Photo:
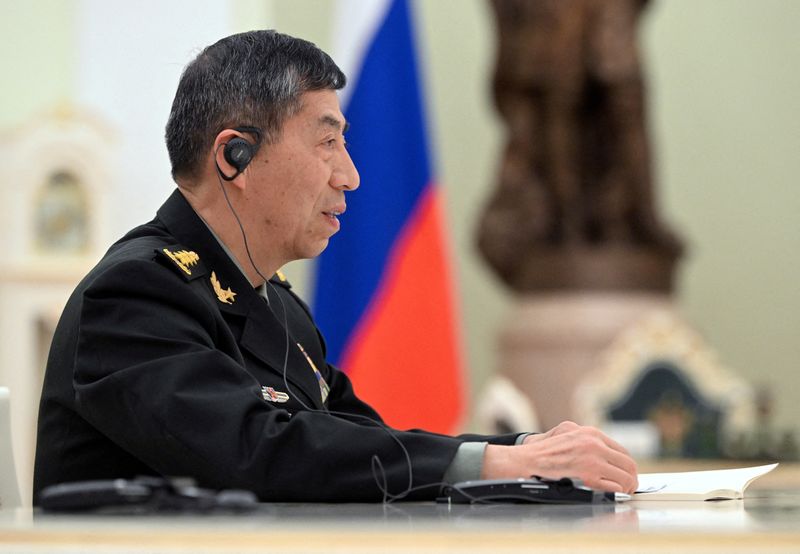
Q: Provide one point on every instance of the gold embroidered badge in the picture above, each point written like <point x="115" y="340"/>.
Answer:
<point x="224" y="295"/>
<point x="281" y="276"/>
<point x="184" y="259"/>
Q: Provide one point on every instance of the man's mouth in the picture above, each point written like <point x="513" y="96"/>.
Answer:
<point x="335" y="212"/>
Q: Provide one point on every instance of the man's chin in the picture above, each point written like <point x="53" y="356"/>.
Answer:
<point x="315" y="250"/>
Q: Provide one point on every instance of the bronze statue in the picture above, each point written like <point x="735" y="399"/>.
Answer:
<point x="574" y="205"/>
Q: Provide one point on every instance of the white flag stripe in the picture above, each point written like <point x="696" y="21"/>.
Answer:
<point x="355" y="23"/>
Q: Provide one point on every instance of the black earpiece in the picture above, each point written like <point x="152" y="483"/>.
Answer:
<point x="239" y="153"/>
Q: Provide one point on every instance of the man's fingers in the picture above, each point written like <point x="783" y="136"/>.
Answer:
<point x="622" y="460"/>
<point x="568" y="450"/>
<point x="587" y="453"/>
<point x="608" y="485"/>
<point x="566" y="427"/>
<point x="626" y="481"/>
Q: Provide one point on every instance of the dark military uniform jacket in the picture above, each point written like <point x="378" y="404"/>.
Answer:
<point x="166" y="361"/>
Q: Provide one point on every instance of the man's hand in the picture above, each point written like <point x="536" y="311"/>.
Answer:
<point x="566" y="450"/>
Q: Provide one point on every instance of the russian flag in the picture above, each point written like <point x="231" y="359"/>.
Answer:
<point x="384" y="292"/>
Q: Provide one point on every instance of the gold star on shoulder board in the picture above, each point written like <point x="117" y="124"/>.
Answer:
<point x="224" y="295"/>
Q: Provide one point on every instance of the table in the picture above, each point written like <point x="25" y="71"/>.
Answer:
<point x="765" y="521"/>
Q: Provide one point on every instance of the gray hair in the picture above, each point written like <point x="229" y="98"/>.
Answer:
<point x="248" y="79"/>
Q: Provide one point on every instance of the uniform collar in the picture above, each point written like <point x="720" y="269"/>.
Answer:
<point x="190" y="231"/>
<point x="183" y="223"/>
<point x="262" y="288"/>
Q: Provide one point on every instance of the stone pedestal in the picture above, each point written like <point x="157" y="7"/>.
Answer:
<point x="553" y="340"/>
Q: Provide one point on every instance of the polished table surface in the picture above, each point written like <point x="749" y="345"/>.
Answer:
<point x="766" y="520"/>
<point x="762" y="522"/>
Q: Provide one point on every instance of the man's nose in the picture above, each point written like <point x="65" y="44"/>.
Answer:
<point x="345" y="176"/>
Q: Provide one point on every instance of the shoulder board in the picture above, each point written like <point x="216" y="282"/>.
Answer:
<point x="184" y="261"/>
<point x="280" y="279"/>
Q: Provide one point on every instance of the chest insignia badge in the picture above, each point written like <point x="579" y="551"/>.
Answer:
<point x="223" y="295"/>
<point x="272" y="395"/>
<point x="184" y="259"/>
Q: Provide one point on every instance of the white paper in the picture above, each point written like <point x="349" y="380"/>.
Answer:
<point x="700" y="483"/>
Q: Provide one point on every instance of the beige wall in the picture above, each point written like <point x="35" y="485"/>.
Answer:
<point x="726" y="127"/>
<point x="37" y="57"/>
<point x="724" y="119"/>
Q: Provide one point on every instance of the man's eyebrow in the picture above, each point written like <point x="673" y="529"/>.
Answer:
<point x="334" y="122"/>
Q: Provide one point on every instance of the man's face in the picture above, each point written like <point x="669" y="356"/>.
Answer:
<point x="295" y="187"/>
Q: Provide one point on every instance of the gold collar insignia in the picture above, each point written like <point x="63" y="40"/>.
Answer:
<point x="184" y="259"/>
<point x="225" y="296"/>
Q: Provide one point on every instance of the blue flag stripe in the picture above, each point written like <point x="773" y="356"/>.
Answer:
<point x="388" y="144"/>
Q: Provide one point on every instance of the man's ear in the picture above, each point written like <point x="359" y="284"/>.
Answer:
<point x="232" y="154"/>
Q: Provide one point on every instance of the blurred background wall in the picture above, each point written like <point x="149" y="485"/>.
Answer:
<point x="724" y="110"/>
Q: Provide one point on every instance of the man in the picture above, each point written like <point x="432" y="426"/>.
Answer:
<point x="177" y="355"/>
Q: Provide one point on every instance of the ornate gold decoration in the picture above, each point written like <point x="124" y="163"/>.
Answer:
<point x="184" y="259"/>
<point x="224" y="295"/>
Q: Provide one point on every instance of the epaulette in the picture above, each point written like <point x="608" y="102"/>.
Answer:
<point x="186" y="262"/>
<point x="280" y="279"/>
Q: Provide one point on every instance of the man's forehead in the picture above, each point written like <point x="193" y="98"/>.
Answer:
<point x="320" y="108"/>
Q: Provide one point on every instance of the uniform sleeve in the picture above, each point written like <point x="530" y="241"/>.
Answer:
<point x="159" y="373"/>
